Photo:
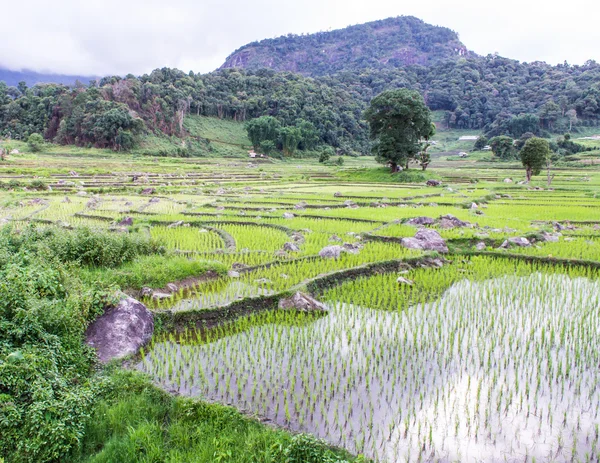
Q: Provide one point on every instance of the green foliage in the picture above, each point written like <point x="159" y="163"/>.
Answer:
<point x="45" y="396"/>
<point x="569" y="147"/>
<point x="84" y="246"/>
<point x="534" y="156"/>
<point x="35" y="142"/>
<point x="136" y="422"/>
<point x="153" y="270"/>
<point x="290" y="138"/>
<point x="502" y="147"/>
<point x="353" y="48"/>
<point x="326" y="154"/>
<point x="481" y="143"/>
<point x="265" y="128"/>
<point x="398" y="121"/>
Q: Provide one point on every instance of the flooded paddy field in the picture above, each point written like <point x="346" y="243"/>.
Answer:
<point x="460" y="322"/>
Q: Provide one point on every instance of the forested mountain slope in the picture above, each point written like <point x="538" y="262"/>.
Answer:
<point x="392" y="42"/>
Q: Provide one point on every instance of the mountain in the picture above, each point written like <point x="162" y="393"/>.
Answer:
<point x="12" y="78"/>
<point x="392" y="42"/>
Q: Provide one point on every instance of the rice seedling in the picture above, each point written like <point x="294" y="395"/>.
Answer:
<point x="499" y="365"/>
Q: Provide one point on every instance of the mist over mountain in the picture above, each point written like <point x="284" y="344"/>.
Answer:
<point x="12" y="78"/>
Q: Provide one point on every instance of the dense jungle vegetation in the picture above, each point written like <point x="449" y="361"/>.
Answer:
<point x="496" y="95"/>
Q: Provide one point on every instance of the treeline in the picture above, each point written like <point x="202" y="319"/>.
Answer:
<point x="486" y="93"/>
<point x="495" y="95"/>
<point x="112" y="112"/>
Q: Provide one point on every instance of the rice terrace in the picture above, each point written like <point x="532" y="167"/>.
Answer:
<point x="366" y="244"/>
<point x="481" y="342"/>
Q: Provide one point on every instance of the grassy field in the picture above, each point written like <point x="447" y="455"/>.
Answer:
<point x="488" y="349"/>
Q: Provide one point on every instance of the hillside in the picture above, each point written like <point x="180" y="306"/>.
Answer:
<point x="12" y="78"/>
<point x="490" y="94"/>
<point x="392" y="42"/>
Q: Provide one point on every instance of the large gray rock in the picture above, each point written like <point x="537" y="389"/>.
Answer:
<point x="433" y="183"/>
<point x="291" y="247"/>
<point x="426" y="239"/>
<point x="549" y="237"/>
<point x="420" y="221"/>
<point x="449" y="221"/>
<point x="302" y="302"/>
<point x="352" y="248"/>
<point x="516" y="241"/>
<point x="411" y="243"/>
<point x="127" y="221"/>
<point x="121" y="330"/>
<point x="331" y="252"/>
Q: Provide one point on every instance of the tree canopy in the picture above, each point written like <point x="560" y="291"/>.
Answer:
<point x="399" y="121"/>
<point x="534" y="155"/>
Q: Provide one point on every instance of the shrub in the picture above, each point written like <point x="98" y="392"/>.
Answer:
<point x="35" y="142"/>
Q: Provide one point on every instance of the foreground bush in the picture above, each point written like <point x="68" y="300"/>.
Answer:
<point x="45" y="392"/>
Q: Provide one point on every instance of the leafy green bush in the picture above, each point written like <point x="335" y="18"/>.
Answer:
<point x="155" y="271"/>
<point x="35" y="142"/>
<point x="83" y="246"/>
<point x="45" y="393"/>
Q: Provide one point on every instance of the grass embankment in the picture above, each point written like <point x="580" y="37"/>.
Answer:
<point x="135" y="422"/>
<point x="383" y="175"/>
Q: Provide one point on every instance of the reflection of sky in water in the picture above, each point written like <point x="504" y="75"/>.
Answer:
<point x="234" y="290"/>
<point x="494" y="371"/>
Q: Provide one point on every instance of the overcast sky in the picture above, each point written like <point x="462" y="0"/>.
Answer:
<point x="135" y="36"/>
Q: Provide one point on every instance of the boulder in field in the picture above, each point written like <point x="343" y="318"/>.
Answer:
<point x="291" y="247"/>
<point x="433" y="183"/>
<point x="288" y="215"/>
<point x="121" y="330"/>
<point x="516" y="241"/>
<point x="146" y="292"/>
<point x="148" y="191"/>
<point x="126" y="222"/>
<point x="172" y="287"/>
<point x="331" y="252"/>
<point x="419" y="221"/>
<point x="549" y="237"/>
<point x="426" y="239"/>
<point x="480" y="246"/>
<point x="449" y="221"/>
<point x="405" y="281"/>
<point x="352" y="248"/>
<point x="302" y="302"/>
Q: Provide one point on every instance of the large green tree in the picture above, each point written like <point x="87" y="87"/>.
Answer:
<point x="503" y="147"/>
<point x="399" y="122"/>
<point x="261" y="129"/>
<point x="534" y="155"/>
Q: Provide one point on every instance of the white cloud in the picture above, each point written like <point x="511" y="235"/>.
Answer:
<point x="136" y="36"/>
